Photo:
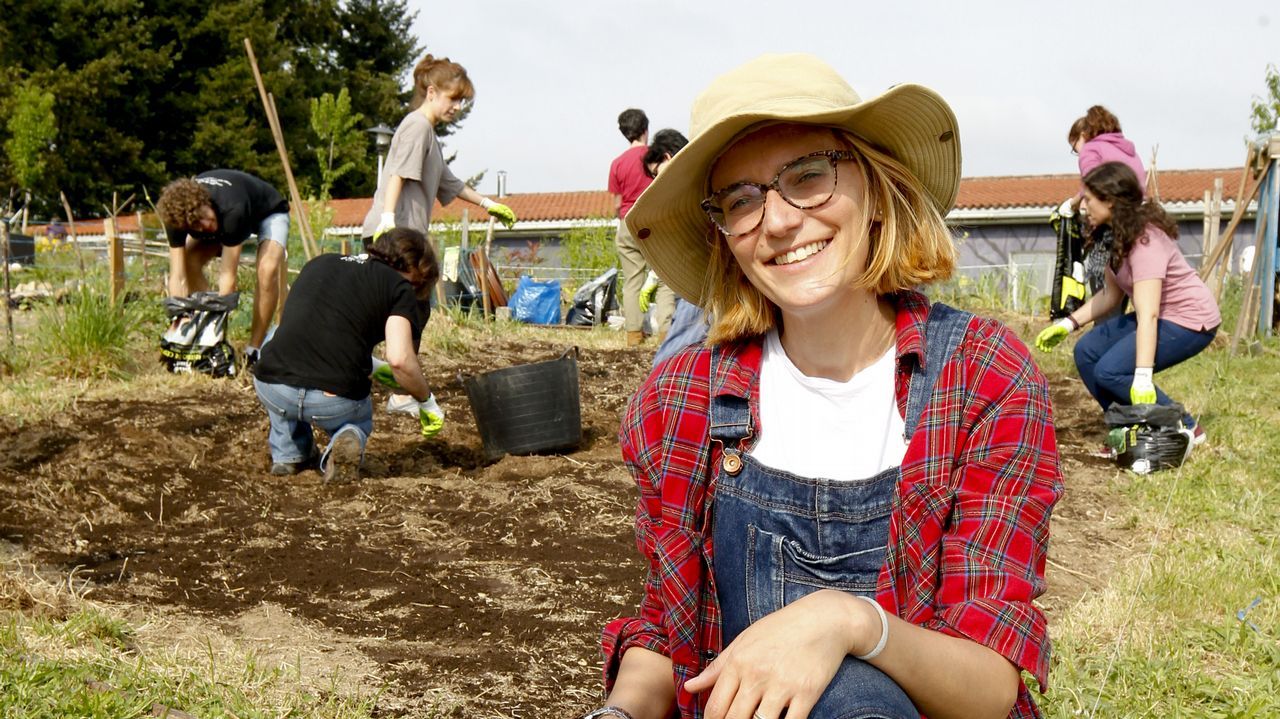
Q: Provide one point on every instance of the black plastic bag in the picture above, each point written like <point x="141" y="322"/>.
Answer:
<point x="196" y="340"/>
<point x="1147" y="437"/>
<point x="1068" y="292"/>
<point x="594" y="300"/>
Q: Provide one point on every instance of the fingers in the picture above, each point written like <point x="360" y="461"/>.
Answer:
<point x="705" y="680"/>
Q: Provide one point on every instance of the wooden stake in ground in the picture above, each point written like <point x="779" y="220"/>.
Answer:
<point x="142" y="244"/>
<point x="1252" y="293"/>
<point x="1243" y="199"/>
<point x="310" y="242"/>
<point x="115" y="258"/>
<point x="8" y="311"/>
<point x="304" y="228"/>
<point x="71" y="227"/>
<point x="484" y="270"/>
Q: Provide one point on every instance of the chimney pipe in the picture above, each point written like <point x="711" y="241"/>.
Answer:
<point x="502" y="184"/>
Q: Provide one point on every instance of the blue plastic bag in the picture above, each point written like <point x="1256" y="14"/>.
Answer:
<point x="536" y="302"/>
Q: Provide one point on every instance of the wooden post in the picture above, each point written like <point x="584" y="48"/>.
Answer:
<point x="309" y="240"/>
<point x="484" y="270"/>
<point x="142" y="240"/>
<point x="115" y="258"/>
<point x="71" y="227"/>
<point x="304" y="227"/>
<point x="1243" y="199"/>
<point x="1252" y="292"/>
<point x="8" y="311"/>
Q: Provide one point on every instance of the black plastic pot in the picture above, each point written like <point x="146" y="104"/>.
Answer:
<point x="529" y="408"/>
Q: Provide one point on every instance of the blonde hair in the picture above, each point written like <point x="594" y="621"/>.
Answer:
<point x="181" y="202"/>
<point x="910" y="246"/>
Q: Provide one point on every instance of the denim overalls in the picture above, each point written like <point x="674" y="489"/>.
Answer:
<point x="778" y="536"/>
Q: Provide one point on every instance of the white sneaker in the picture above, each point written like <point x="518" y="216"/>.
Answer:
<point x="341" y="461"/>
<point x="403" y="403"/>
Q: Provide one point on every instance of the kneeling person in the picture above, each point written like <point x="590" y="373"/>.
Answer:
<point x="211" y="215"/>
<point x="316" y="367"/>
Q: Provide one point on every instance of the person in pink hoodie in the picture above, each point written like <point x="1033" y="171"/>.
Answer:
<point x="1096" y="138"/>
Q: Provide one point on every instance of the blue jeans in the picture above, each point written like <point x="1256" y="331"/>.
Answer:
<point x="292" y="411"/>
<point x="1105" y="357"/>
<point x="688" y="326"/>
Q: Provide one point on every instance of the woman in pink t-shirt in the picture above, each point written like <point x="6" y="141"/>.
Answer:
<point x="1175" y="315"/>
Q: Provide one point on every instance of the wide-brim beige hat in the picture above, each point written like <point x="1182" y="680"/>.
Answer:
<point x="910" y="122"/>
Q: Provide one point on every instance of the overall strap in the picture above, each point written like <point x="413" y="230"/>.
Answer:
<point x="730" y="415"/>
<point x="942" y="335"/>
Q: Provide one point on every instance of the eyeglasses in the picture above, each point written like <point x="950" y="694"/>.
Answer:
<point x="804" y="183"/>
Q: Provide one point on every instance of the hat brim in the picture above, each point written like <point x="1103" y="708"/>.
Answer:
<point x="910" y="122"/>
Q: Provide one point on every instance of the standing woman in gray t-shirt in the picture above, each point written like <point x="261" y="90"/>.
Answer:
<point x="415" y="173"/>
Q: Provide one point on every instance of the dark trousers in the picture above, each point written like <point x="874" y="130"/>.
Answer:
<point x="1105" y="356"/>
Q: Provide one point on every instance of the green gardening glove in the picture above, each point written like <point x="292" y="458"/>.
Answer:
<point x="1052" y="335"/>
<point x="430" y="416"/>
<point x="501" y="212"/>
<point x="1143" y="389"/>
<point x="383" y="375"/>
<point x="648" y="291"/>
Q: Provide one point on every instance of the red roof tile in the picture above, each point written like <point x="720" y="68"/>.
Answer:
<point x="976" y="193"/>
<point x="529" y="207"/>
<point x="1050" y="190"/>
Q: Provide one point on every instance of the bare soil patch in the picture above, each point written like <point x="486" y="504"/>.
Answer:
<point x="463" y="588"/>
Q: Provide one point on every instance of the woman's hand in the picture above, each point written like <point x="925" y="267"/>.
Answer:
<point x="785" y="660"/>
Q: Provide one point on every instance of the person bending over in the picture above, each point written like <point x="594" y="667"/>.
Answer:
<point x="211" y="215"/>
<point x="1174" y="316"/>
<point x="316" y="367"/>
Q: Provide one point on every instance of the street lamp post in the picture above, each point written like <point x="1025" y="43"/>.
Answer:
<point x="382" y="140"/>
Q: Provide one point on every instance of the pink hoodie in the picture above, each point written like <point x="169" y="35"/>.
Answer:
<point x="1111" y="147"/>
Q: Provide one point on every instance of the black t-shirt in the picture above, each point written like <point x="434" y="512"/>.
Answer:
<point x="336" y="314"/>
<point x="240" y="201"/>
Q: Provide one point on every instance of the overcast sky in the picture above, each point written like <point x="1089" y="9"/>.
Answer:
<point x="551" y="76"/>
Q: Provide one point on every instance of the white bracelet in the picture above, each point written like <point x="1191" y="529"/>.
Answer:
<point x="884" y="630"/>
<point x="486" y="203"/>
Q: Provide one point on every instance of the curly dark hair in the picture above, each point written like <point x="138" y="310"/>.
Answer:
<point x="408" y="251"/>
<point x="1116" y="183"/>
<point x="1097" y="120"/>
<point x="180" y="203"/>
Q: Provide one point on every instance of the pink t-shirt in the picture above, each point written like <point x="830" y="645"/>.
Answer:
<point x="627" y="178"/>
<point x="1184" y="298"/>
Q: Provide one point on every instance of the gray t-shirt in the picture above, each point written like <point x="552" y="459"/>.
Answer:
<point x="415" y="156"/>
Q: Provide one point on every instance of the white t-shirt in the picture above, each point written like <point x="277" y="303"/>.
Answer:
<point x="816" y="427"/>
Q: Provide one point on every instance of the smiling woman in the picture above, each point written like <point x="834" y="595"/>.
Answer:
<point x="844" y="496"/>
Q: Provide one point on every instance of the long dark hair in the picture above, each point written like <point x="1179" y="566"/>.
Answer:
<point x="1116" y="183"/>
<point x="408" y="251"/>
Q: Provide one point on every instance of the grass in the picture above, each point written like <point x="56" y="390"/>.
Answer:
<point x="64" y="656"/>
<point x="1163" y="638"/>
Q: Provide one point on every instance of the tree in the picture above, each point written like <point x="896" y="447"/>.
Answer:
<point x="1266" y="110"/>
<point x="148" y="90"/>
<point x="341" y="144"/>
<point x="32" y="128"/>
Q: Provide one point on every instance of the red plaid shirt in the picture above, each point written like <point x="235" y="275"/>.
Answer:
<point x="970" y="526"/>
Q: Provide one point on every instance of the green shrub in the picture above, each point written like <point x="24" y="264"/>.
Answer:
<point x="590" y="248"/>
<point x="86" y="335"/>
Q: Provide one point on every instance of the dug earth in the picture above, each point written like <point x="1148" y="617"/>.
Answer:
<point x="452" y="586"/>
